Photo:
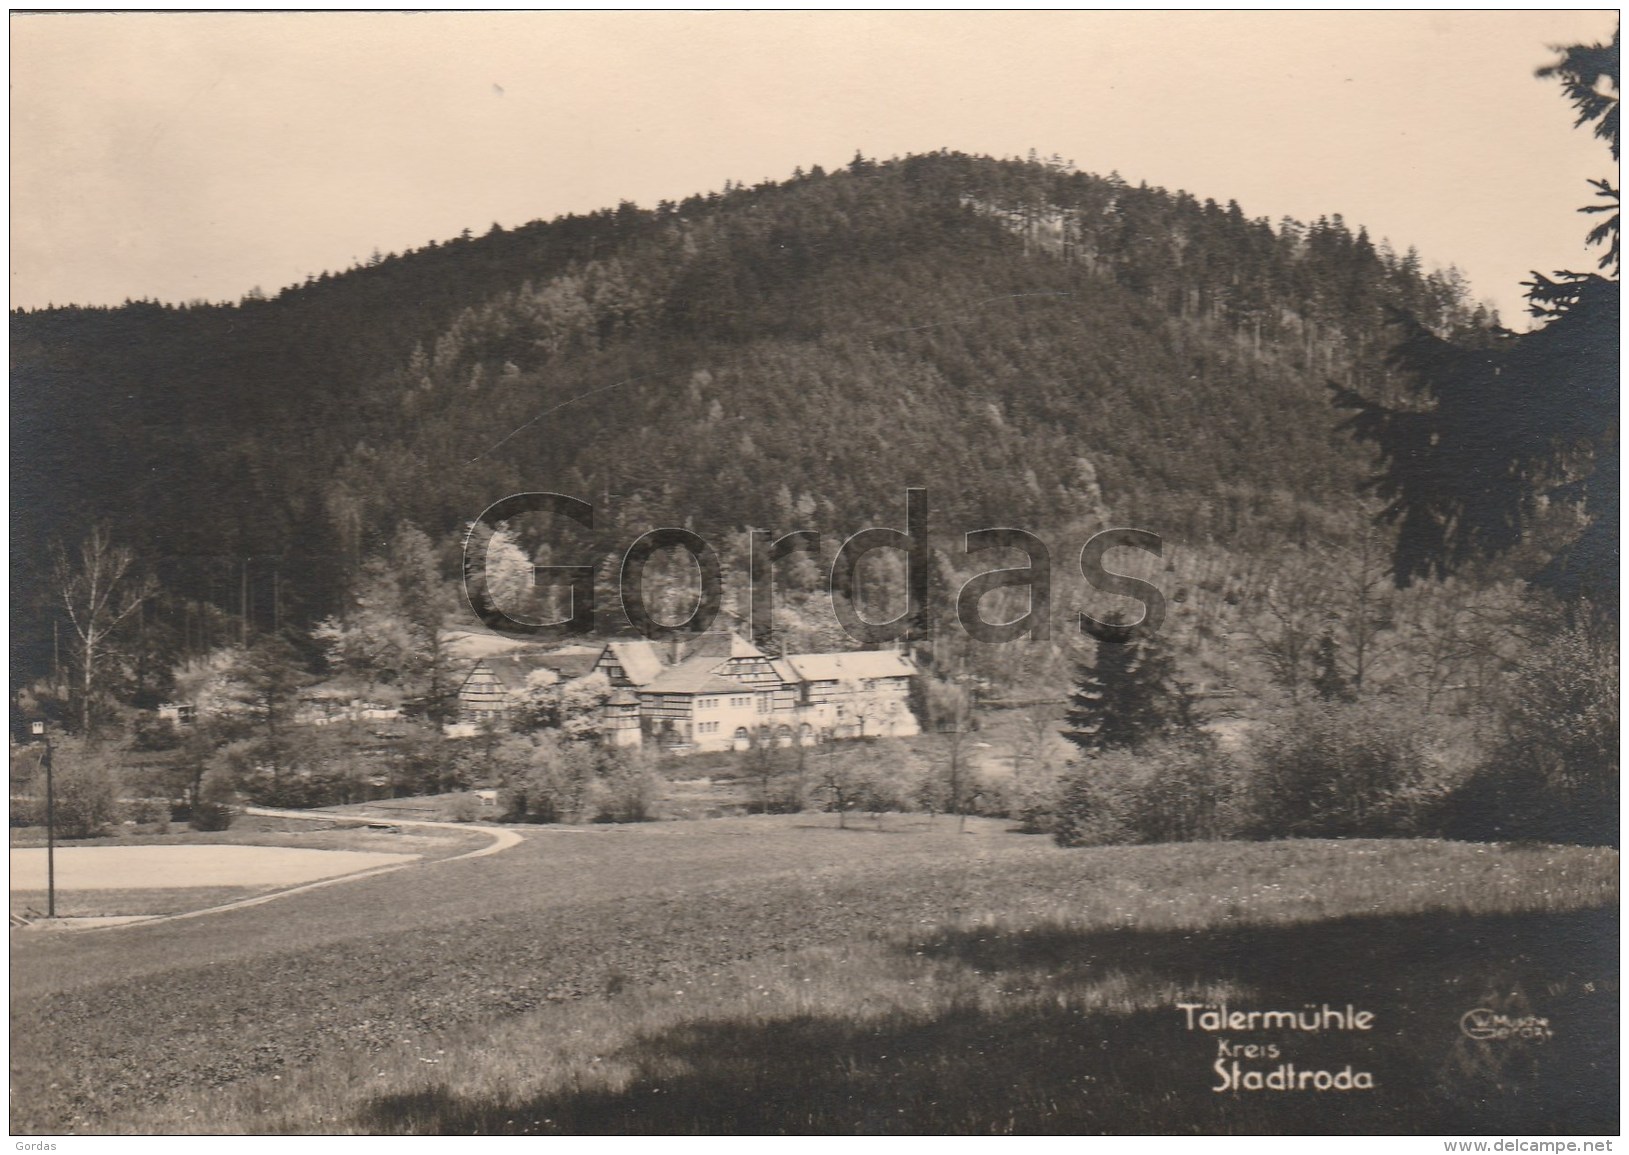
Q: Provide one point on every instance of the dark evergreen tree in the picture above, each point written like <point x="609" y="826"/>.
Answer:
<point x="1128" y="696"/>
<point x="265" y="681"/>
<point x="1327" y="680"/>
<point x="1509" y="437"/>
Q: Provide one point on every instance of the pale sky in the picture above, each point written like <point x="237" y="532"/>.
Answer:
<point x="195" y="155"/>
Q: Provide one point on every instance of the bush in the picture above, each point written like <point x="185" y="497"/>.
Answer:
<point x="151" y="732"/>
<point x="86" y="805"/>
<point x="1074" y="821"/>
<point x="1339" y="769"/>
<point x="145" y="810"/>
<point x="854" y="776"/>
<point x="1033" y="797"/>
<point x="85" y="781"/>
<point x="1552" y="772"/>
<point x="211" y="816"/>
<point x="1176" y="790"/>
<point x="788" y="792"/>
<point x="545" y="780"/>
<point x="214" y="810"/>
<point x="628" y="788"/>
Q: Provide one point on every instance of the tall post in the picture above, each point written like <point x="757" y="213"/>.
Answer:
<point x="50" y="835"/>
<point x="39" y="730"/>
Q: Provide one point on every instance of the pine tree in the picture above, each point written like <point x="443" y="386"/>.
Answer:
<point x="1327" y="680"/>
<point x="1503" y="430"/>
<point x="1127" y="697"/>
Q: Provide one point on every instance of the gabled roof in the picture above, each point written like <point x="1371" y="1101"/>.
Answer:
<point x="638" y="659"/>
<point x="513" y="669"/>
<point x="719" y="643"/>
<point x="784" y="671"/>
<point x="692" y="677"/>
<point x="854" y="664"/>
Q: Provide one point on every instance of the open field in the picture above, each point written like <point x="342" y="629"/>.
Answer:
<point x="777" y="974"/>
<point x="180" y="867"/>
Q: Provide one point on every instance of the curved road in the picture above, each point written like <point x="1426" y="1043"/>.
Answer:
<point x="501" y="840"/>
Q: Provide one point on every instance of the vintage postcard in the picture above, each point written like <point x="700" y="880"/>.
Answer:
<point x="918" y="573"/>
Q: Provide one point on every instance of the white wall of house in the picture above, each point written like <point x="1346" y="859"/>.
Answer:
<point x="725" y="721"/>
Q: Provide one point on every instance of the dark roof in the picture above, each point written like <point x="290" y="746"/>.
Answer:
<point x="513" y="669"/>
<point x="719" y="643"/>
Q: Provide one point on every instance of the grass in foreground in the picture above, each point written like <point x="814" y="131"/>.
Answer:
<point x="1031" y="994"/>
<point x="986" y="1030"/>
<point x="157" y="900"/>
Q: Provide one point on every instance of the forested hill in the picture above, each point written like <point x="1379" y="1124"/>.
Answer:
<point x="1034" y="345"/>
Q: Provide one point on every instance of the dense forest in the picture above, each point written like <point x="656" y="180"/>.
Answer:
<point x="1036" y="346"/>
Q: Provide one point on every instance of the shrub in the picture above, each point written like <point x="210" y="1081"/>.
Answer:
<point x="85" y="781"/>
<point x="852" y="776"/>
<point x="1340" y="769"/>
<point x="1074" y="821"/>
<point x="86" y="805"/>
<point x="628" y="788"/>
<point x="1177" y="790"/>
<point x="211" y="816"/>
<point x="546" y="780"/>
<point x="150" y="732"/>
<point x="1552" y="771"/>
<point x="214" y="809"/>
<point x="145" y="810"/>
<point x="1033" y="796"/>
<point x="789" y="791"/>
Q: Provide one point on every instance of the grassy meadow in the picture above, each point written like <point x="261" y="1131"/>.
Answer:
<point x="778" y="975"/>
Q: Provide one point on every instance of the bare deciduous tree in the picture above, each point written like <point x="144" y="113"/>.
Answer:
<point x="1291" y="614"/>
<point x="100" y="591"/>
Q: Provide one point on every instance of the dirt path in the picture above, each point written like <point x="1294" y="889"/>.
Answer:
<point x="501" y="839"/>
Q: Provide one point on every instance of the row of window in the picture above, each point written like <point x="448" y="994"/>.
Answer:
<point x="742" y="703"/>
<point x="712" y="728"/>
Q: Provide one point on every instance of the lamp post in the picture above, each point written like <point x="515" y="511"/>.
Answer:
<point x="40" y="731"/>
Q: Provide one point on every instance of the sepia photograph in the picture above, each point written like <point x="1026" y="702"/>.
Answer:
<point x="815" y="573"/>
